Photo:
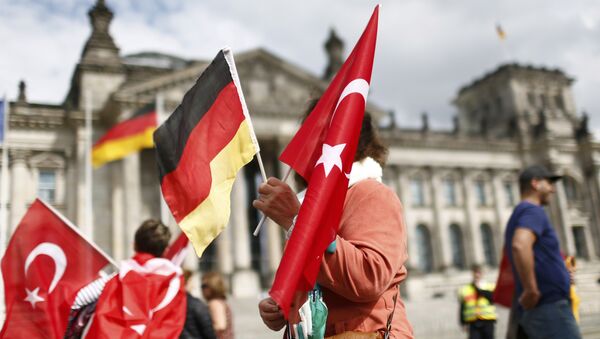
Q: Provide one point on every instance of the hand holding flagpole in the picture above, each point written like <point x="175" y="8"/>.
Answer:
<point x="264" y="217"/>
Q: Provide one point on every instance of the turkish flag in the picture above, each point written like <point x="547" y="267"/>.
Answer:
<point x="178" y="250"/>
<point x="505" y="284"/>
<point x="46" y="263"/>
<point x="146" y="300"/>
<point x="322" y="151"/>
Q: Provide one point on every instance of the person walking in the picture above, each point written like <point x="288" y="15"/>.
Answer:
<point x="477" y="310"/>
<point x="198" y="323"/>
<point x="542" y="280"/>
<point x="213" y="291"/>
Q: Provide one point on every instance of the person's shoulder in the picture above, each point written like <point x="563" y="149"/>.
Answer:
<point x="370" y="186"/>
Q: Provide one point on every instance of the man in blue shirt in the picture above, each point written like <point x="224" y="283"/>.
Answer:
<point x="541" y="277"/>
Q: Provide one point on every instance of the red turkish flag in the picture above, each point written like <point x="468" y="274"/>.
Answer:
<point x="178" y="250"/>
<point x="146" y="300"/>
<point x="46" y="263"/>
<point x="505" y="284"/>
<point x="322" y="151"/>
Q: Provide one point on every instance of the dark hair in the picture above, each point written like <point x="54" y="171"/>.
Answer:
<point x="475" y="268"/>
<point x="525" y="185"/>
<point x="152" y="237"/>
<point x="215" y="285"/>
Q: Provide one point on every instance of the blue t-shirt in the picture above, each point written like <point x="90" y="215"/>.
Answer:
<point x="550" y="271"/>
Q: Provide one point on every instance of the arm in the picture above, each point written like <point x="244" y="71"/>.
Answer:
<point x="371" y="247"/>
<point x="278" y="202"/>
<point x="218" y="315"/>
<point x="522" y="251"/>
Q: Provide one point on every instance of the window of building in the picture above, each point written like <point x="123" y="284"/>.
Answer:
<point x="509" y="193"/>
<point x="558" y="100"/>
<point x="456" y="244"/>
<point x="543" y="101"/>
<point x="571" y="189"/>
<point x="450" y="192"/>
<point x="489" y="250"/>
<point x="531" y="99"/>
<point x="417" y="191"/>
<point x="499" y="106"/>
<point x="580" y="244"/>
<point x="47" y="185"/>
<point x="480" y="193"/>
<point x="424" y="249"/>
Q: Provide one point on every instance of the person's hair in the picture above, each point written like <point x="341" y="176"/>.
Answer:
<point x="215" y="283"/>
<point x="475" y="268"/>
<point x="525" y="186"/>
<point x="187" y="274"/>
<point x="152" y="237"/>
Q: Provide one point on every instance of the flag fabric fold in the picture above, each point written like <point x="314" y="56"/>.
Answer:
<point x="200" y="149"/>
<point x="46" y="263"/>
<point x="322" y="152"/>
<point x="145" y="300"/>
<point x="126" y="137"/>
<point x="178" y="250"/>
<point x="505" y="283"/>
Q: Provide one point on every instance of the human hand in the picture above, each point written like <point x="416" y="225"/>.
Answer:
<point x="529" y="298"/>
<point x="271" y="314"/>
<point x="278" y="202"/>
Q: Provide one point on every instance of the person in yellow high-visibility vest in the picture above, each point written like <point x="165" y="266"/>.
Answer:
<point x="477" y="310"/>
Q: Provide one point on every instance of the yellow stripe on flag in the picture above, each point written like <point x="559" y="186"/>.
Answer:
<point x="120" y="148"/>
<point x="206" y="221"/>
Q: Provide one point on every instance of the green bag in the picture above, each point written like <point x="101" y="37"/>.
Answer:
<point x="318" y="315"/>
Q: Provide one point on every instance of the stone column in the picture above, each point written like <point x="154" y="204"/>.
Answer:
<point x="224" y="250"/>
<point x="133" y="198"/>
<point x="80" y="149"/>
<point x="411" y="227"/>
<point x="440" y="236"/>
<point x="245" y="281"/>
<point x="119" y="246"/>
<point x="473" y="246"/>
<point x="20" y="197"/>
<point x="563" y="226"/>
<point x="498" y="229"/>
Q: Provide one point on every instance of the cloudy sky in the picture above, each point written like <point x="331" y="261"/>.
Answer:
<point x="426" y="50"/>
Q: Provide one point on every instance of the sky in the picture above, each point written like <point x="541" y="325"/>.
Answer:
<point x="427" y="49"/>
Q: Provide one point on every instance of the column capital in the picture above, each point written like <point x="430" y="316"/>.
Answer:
<point x="19" y="155"/>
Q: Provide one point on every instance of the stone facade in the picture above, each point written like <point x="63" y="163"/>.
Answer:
<point x="458" y="186"/>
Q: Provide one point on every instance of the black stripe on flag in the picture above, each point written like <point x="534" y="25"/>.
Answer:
<point x="172" y="136"/>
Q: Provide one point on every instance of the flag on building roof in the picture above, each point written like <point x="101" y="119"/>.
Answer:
<point x="500" y="32"/>
<point x="126" y="137"/>
<point x="322" y="152"/>
<point x="46" y="263"/>
<point x="200" y="149"/>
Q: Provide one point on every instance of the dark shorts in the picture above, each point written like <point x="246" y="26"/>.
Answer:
<point x="552" y="320"/>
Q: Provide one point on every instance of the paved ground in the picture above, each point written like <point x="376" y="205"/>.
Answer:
<point x="437" y="318"/>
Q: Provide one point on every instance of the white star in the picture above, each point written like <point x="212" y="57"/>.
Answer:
<point x="33" y="297"/>
<point x="331" y="157"/>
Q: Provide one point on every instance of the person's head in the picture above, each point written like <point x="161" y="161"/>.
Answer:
<point x="477" y="272"/>
<point x="152" y="237"/>
<point x="213" y="286"/>
<point x="537" y="182"/>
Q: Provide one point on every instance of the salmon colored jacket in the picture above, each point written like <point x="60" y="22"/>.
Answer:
<point x="360" y="279"/>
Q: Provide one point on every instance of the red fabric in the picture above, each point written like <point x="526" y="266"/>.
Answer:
<point x="146" y="300"/>
<point x="505" y="285"/>
<point x="128" y="128"/>
<point x="326" y="126"/>
<point x="45" y="242"/>
<point x="177" y="251"/>
<point x="189" y="184"/>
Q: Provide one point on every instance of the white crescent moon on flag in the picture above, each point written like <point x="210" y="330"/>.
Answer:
<point x="170" y="295"/>
<point x="360" y="86"/>
<point x="57" y="255"/>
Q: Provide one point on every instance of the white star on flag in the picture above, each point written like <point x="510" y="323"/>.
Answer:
<point x="33" y="297"/>
<point x="331" y="157"/>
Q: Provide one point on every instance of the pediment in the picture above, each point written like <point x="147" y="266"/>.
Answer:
<point x="47" y="160"/>
<point x="272" y="87"/>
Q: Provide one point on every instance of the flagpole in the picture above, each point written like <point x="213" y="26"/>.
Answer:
<point x="4" y="181"/>
<point x="89" y="226"/>
<point x="264" y="217"/>
<point x="165" y="213"/>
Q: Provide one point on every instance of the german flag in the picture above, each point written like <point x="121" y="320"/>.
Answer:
<point x="200" y="149"/>
<point x="126" y="137"/>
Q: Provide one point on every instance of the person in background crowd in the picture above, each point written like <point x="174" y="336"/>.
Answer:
<point x="362" y="269"/>
<point x="477" y="311"/>
<point x="213" y="290"/>
<point x="198" y="323"/>
<point x="542" y="280"/>
<point x="575" y="300"/>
